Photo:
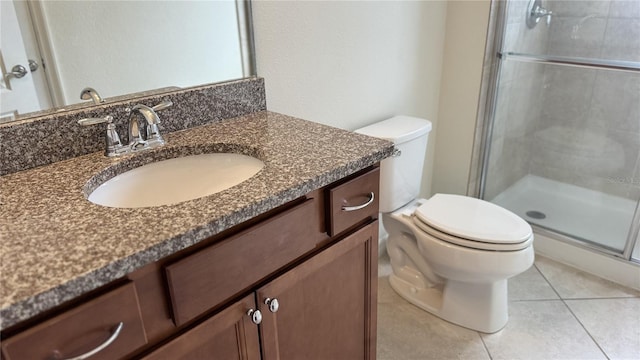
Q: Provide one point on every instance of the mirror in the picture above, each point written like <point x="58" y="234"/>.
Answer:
<point x="118" y="48"/>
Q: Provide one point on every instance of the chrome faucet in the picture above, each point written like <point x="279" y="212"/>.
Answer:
<point x="138" y="140"/>
<point x="535" y="12"/>
<point x="91" y="94"/>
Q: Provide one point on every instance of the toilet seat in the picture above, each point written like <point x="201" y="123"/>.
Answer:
<point x="473" y="244"/>
<point x="472" y="223"/>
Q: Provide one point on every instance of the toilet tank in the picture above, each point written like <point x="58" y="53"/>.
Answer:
<point x="401" y="174"/>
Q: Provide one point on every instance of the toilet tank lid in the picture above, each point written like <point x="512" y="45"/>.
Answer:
<point x="398" y="129"/>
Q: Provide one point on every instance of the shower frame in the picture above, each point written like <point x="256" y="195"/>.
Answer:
<point x="493" y="59"/>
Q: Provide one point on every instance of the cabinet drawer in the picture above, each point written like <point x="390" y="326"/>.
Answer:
<point x="211" y="276"/>
<point x="85" y="328"/>
<point x="353" y="201"/>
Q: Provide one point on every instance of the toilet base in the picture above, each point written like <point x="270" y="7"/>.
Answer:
<point x="482" y="307"/>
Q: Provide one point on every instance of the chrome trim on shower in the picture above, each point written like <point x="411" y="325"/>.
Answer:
<point x="498" y="14"/>
<point x="581" y="243"/>
<point x="603" y="64"/>
<point x="634" y="234"/>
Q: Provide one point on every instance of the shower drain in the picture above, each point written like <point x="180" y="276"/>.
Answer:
<point x="536" y="214"/>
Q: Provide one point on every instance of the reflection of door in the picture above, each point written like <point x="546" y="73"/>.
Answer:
<point x="18" y="94"/>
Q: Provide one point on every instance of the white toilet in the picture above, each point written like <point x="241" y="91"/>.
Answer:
<point x="451" y="255"/>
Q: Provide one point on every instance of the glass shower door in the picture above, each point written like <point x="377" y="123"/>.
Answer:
<point x="564" y="146"/>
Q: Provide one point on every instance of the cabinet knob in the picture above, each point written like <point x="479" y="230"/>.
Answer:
<point x="255" y="315"/>
<point x="273" y="304"/>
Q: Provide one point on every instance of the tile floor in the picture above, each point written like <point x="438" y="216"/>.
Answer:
<point x="555" y="312"/>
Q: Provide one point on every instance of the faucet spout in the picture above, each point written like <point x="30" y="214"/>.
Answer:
<point x="152" y="137"/>
<point x="91" y="94"/>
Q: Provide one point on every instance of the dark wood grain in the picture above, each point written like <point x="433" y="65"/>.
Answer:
<point x="351" y="193"/>
<point x="215" y="274"/>
<point x="82" y="329"/>
<point x="325" y="304"/>
<point x="228" y="335"/>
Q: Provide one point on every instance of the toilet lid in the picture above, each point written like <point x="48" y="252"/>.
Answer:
<point x="473" y="219"/>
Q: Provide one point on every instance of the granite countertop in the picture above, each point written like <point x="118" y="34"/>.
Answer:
<point x="56" y="245"/>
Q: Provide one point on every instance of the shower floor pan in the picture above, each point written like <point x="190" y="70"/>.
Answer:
<point x="571" y="210"/>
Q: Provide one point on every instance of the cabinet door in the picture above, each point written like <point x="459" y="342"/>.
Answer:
<point x="327" y="305"/>
<point x="227" y="335"/>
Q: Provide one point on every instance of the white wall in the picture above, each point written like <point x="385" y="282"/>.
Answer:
<point x="348" y="64"/>
<point x="466" y="31"/>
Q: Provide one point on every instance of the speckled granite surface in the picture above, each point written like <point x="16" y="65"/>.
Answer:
<point x="56" y="245"/>
<point x="56" y="136"/>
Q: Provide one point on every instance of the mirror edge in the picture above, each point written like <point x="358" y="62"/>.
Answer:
<point x="249" y="68"/>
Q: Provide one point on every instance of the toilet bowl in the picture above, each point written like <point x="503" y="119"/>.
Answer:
<point x="451" y="255"/>
<point x="459" y="276"/>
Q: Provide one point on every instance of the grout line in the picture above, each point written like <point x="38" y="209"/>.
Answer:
<point x="585" y="329"/>
<point x="603" y="298"/>
<point x="589" y="298"/>
<point x="485" y="346"/>
<point x="547" y="280"/>
<point x="533" y="300"/>
<point x="572" y="313"/>
<point x="629" y="296"/>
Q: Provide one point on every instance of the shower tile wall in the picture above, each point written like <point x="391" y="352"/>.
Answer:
<point x="589" y="129"/>
<point x="573" y="125"/>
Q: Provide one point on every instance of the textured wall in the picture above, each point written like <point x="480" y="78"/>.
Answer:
<point x="351" y="63"/>
<point x="459" y="90"/>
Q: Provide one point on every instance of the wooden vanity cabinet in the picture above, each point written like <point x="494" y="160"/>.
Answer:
<point x="352" y="201"/>
<point x="111" y="320"/>
<point x="321" y="270"/>
<point x="327" y="305"/>
<point x="230" y="334"/>
<point x="221" y="271"/>
<point x="326" y="310"/>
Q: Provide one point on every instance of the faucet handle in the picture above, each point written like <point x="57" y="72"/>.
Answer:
<point x="93" y="121"/>
<point x="163" y="105"/>
<point x="113" y="145"/>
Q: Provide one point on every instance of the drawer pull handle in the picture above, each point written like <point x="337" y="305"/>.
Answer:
<point x="361" y="206"/>
<point x="101" y="347"/>
<point x="273" y="304"/>
<point x="255" y="315"/>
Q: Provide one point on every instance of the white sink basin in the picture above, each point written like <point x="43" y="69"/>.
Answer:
<point x="176" y="180"/>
